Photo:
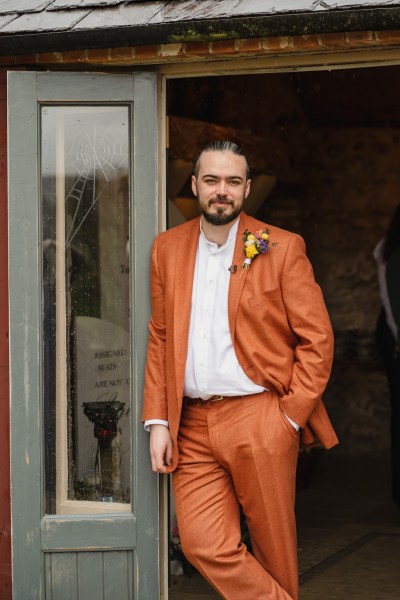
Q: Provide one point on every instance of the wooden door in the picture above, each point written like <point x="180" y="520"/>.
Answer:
<point x="82" y="216"/>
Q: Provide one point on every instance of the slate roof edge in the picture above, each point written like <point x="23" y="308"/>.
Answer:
<point x="300" y="23"/>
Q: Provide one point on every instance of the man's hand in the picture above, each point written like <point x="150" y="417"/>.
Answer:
<point x="160" y="448"/>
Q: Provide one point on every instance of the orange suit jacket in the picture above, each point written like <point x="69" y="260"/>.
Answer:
<point x="279" y="325"/>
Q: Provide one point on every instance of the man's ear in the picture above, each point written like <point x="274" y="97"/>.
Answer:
<point x="194" y="185"/>
<point x="248" y="186"/>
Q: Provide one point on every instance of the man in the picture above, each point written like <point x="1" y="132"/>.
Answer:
<point x="239" y="353"/>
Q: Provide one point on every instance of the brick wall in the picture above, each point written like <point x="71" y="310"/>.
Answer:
<point x="200" y="51"/>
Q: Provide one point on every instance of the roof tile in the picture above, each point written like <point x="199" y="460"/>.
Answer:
<point x="187" y="10"/>
<point x="45" y="21"/>
<point x="134" y="14"/>
<point x="73" y="4"/>
<point x="259" y="7"/>
<point x="331" y="4"/>
<point x="31" y="16"/>
<point x="5" y="19"/>
<point x="20" y="6"/>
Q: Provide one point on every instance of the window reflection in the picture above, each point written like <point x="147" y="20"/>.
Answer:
<point x="85" y="207"/>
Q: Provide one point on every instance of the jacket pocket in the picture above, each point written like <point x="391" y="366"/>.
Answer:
<point x="266" y="296"/>
<point x="288" y="425"/>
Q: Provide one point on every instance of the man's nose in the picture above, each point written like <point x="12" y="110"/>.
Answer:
<point x="222" y="191"/>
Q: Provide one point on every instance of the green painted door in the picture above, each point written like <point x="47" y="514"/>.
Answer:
<point x="82" y="216"/>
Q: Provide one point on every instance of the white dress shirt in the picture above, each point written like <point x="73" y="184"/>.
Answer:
<point x="211" y="364"/>
<point x="212" y="367"/>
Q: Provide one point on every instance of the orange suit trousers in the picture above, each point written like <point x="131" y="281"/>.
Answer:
<point x="239" y="452"/>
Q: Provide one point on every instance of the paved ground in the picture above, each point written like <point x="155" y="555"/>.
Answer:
<point x="349" y="535"/>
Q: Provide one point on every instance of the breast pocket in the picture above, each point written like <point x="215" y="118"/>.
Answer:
<point x="266" y="296"/>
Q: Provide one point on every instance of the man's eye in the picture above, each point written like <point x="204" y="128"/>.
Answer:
<point x="235" y="182"/>
<point x="210" y="181"/>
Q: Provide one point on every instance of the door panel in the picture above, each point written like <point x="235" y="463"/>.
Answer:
<point x="89" y="575"/>
<point x="83" y="213"/>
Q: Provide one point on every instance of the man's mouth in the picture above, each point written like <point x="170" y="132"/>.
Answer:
<point x="220" y="202"/>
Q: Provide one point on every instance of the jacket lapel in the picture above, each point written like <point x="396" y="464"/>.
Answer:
<point x="184" y="273"/>
<point x="237" y="280"/>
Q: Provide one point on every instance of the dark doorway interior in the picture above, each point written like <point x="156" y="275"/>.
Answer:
<point x="325" y="154"/>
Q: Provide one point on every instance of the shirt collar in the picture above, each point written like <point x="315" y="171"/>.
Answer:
<point x="212" y="246"/>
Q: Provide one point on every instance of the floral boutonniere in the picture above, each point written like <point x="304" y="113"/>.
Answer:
<point x="254" y="244"/>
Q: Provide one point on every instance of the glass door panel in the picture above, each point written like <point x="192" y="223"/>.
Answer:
<point x="85" y="182"/>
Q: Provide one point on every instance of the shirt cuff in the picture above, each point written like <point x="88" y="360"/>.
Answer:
<point x="154" y="422"/>
<point x="297" y="427"/>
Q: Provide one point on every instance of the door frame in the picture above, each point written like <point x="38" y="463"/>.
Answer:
<point x="281" y="63"/>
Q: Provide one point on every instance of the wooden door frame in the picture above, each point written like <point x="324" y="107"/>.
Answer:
<point x="322" y="61"/>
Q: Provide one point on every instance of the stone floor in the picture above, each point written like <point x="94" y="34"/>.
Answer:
<point x="349" y="535"/>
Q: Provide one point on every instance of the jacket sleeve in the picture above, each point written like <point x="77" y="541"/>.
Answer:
<point x="155" y="392"/>
<point x="309" y="320"/>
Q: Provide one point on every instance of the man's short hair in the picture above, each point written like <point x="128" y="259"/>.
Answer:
<point x="220" y="146"/>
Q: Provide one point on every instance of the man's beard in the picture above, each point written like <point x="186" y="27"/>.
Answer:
<point x="220" y="217"/>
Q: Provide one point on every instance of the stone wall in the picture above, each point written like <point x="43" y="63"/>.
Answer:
<point x="351" y="186"/>
<point x="339" y="194"/>
<point x="352" y="191"/>
<point x="358" y="404"/>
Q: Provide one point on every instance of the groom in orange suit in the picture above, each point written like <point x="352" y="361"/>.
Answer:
<point x="239" y="354"/>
